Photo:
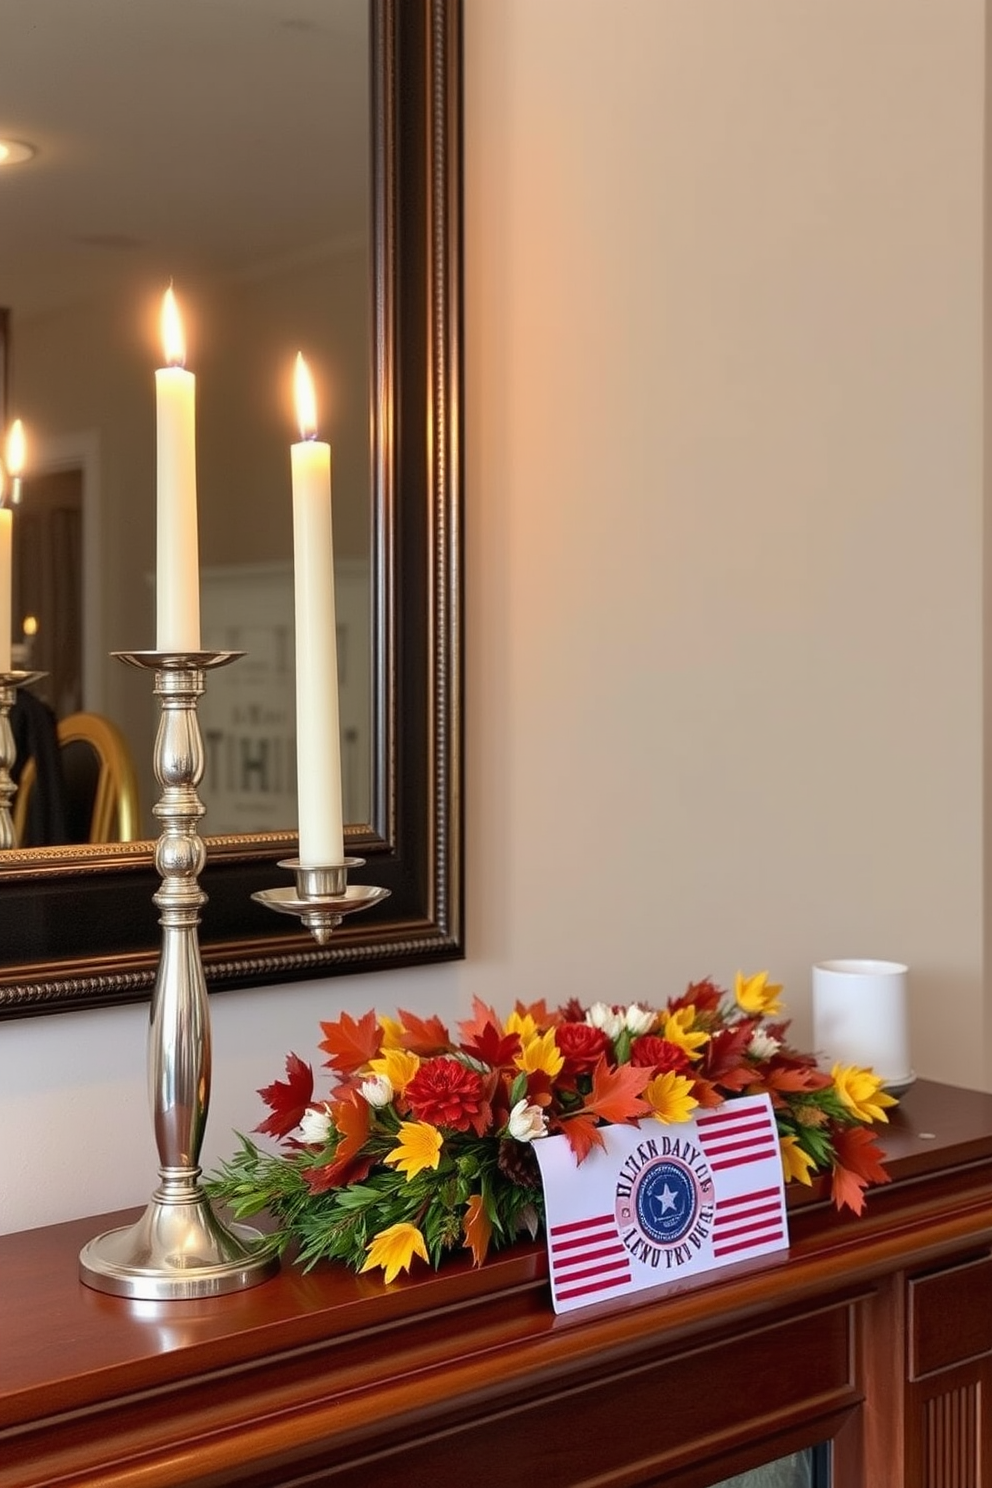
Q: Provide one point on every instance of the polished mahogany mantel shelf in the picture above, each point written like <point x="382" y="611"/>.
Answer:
<point x="872" y="1333"/>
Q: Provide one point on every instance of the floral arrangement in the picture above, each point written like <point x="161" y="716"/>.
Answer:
<point x="424" y="1142"/>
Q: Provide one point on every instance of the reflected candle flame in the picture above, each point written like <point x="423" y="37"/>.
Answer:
<point x="16" y="448"/>
<point x="305" y="399"/>
<point x="173" y="340"/>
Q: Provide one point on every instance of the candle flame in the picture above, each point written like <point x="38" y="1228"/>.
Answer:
<point x="305" y="398"/>
<point x="173" y="340"/>
<point x="16" y="448"/>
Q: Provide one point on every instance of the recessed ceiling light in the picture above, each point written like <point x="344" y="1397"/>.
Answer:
<point x="13" y="152"/>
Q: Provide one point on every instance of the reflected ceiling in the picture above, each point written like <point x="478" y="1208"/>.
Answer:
<point x="133" y="108"/>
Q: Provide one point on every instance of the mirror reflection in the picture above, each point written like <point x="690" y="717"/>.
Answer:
<point x="222" y="145"/>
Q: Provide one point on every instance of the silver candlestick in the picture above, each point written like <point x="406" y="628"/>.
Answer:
<point x="178" y="1248"/>
<point x="9" y="683"/>
<point x="323" y="896"/>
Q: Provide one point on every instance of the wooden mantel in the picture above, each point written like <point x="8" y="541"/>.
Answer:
<point x="873" y="1333"/>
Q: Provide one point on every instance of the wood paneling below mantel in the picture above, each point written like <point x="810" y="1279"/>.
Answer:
<point x="328" y="1377"/>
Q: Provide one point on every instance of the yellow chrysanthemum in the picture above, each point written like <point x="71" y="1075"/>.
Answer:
<point x="540" y="1053"/>
<point x="757" y="995"/>
<point x="861" y="1092"/>
<point x="796" y="1162"/>
<point x="678" y="1030"/>
<point x="392" y="1032"/>
<point x="394" y="1249"/>
<point x="398" y="1065"/>
<point x="523" y="1024"/>
<point x="670" y="1097"/>
<point x="418" y="1147"/>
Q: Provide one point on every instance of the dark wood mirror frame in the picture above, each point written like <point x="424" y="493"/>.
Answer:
<point x="77" y="925"/>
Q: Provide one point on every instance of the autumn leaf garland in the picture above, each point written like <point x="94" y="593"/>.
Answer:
<point x="423" y="1143"/>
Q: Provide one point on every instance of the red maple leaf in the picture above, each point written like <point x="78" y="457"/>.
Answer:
<point x="492" y="1046"/>
<point x="857" y="1162"/>
<point x="704" y="996"/>
<point x="424" y="1036"/>
<point x="351" y="1043"/>
<point x="287" y="1099"/>
<point x="724" y="1056"/>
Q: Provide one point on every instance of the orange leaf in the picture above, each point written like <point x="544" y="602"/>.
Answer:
<point x="539" y="1011"/>
<point x="706" y="1093"/>
<point x="847" y="1188"/>
<point x="858" y="1162"/>
<point x="351" y="1119"/>
<point x="424" y="1036"/>
<point x="582" y="1131"/>
<point x="615" y="1094"/>
<point x="475" y="1027"/>
<point x="786" y="1077"/>
<point x="477" y="1229"/>
<point x="351" y="1043"/>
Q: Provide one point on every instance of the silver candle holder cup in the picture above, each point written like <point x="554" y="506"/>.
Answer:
<point x="323" y="897"/>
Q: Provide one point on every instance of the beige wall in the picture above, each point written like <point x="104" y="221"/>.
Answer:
<point x="724" y="516"/>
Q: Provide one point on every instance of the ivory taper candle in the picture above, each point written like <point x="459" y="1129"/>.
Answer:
<point x="318" y="740"/>
<point x="177" y="579"/>
<point x="6" y="523"/>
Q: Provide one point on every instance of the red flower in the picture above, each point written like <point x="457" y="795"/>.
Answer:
<point x="659" y="1054"/>
<point x="446" y="1093"/>
<point x="581" y="1046"/>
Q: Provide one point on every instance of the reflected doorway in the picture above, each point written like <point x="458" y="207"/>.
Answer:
<point x="47" y="585"/>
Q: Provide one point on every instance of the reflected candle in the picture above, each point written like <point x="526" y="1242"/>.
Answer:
<point x="6" y="524"/>
<point x="177" y="576"/>
<point x="16" y="456"/>
<point x="318" y="742"/>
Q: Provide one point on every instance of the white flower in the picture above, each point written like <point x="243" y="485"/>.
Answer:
<point x="602" y="1015"/>
<point x="762" y="1045"/>
<point x="638" y="1020"/>
<point x="377" y="1090"/>
<point x="526" y="1122"/>
<point x="315" y="1125"/>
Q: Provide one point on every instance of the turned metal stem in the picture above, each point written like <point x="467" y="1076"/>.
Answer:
<point x="179" y="1248"/>
<point x="9" y="683"/>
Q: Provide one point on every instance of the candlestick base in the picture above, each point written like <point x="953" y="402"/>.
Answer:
<point x="178" y="1249"/>
<point x="323" y="896"/>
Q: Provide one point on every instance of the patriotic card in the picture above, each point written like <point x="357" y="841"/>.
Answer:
<point x="661" y="1203"/>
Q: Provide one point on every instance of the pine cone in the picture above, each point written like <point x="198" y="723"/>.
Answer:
<point x="517" y="1162"/>
<point x="809" y="1115"/>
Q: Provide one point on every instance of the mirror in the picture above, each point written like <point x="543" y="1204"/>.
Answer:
<point x="77" y="925"/>
<point x="207" y="184"/>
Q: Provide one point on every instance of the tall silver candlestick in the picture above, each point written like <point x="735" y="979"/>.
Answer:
<point x="178" y="1248"/>
<point x="9" y="683"/>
